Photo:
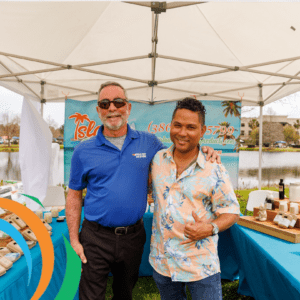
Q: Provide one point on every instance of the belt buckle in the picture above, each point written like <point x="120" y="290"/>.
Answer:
<point x="116" y="229"/>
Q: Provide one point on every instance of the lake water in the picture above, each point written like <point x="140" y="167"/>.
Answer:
<point x="285" y="165"/>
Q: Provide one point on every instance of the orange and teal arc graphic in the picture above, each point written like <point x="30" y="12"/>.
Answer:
<point x="43" y="237"/>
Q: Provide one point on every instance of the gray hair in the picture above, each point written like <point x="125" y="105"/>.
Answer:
<point x="112" y="83"/>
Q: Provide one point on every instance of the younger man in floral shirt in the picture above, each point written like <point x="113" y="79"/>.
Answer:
<point x="194" y="200"/>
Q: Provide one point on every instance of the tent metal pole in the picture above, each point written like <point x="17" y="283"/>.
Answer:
<point x="261" y="104"/>
<point x="168" y="5"/>
<point x="268" y="73"/>
<point x="226" y="66"/>
<point x="42" y="98"/>
<point x="273" y="62"/>
<point x="193" y="76"/>
<point x="111" y="61"/>
<point x="34" y="59"/>
<point x="279" y="88"/>
<point x="282" y="83"/>
<point x="153" y="54"/>
<point x="109" y="74"/>
<point x="20" y="80"/>
<point x="237" y="89"/>
<point x="196" y="62"/>
<point x="31" y="72"/>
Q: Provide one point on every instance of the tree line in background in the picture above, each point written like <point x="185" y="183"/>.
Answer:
<point x="10" y="127"/>
<point x="273" y="132"/>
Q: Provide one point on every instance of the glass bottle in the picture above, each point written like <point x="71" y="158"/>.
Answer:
<point x="281" y="189"/>
<point x="269" y="202"/>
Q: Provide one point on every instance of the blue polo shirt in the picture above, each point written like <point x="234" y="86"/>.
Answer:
<point x="116" y="180"/>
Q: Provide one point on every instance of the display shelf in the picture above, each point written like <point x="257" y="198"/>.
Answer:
<point x="271" y="215"/>
<point x="270" y="228"/>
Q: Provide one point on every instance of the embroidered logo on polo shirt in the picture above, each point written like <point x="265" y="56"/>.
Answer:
<point x="139" y="155"/>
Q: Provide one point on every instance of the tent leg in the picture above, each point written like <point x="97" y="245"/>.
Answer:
<point x="43" y="101"/>
<point x="261" y="104"/>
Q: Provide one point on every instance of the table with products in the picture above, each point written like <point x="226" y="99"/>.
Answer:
<point x="13" y="284"/>
<point x="269" y="267"/>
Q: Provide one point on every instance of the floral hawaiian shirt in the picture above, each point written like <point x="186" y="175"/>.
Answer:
<point x="205" y="188"/>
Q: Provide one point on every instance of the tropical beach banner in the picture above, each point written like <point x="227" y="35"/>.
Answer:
<point x="222" y="121"/>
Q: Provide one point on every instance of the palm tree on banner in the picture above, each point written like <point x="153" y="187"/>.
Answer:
<point x="237" y="144"/>
<point x="232" y="108"/>
<point x="253" y="124"/>
<point x="226" y="132"/>
<point x="79" y="118"/>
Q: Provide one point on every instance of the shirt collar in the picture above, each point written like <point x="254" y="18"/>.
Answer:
<point x="168" y="154"/>
<point x="101" y="140"/>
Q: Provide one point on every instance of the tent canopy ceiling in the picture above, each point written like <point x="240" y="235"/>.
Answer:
<point x="216" y="51"/>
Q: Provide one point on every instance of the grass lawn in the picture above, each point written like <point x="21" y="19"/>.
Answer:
<point x="266" y="149"/>
<point x="15" y="148"/>
<point x="146" y="289"/>
<point x="12" y="148"/>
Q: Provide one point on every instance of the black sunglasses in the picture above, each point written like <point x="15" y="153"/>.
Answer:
<point x="118" y="102"/>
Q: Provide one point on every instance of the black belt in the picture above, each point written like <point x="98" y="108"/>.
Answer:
<point x="124" y="229"/>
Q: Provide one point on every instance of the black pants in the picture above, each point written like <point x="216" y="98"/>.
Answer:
<point x="107" y="252"/>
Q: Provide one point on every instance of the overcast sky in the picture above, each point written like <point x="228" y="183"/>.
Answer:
<point x="12" y="103"/>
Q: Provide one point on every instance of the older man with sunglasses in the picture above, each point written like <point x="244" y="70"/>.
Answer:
<point x="113" y="166"/>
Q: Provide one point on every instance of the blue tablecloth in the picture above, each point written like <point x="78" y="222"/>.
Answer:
<point x="269" y="268"/>
<point x="13" y="285"/>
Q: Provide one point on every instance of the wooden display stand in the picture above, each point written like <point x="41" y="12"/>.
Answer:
<point x="269" y="227"/>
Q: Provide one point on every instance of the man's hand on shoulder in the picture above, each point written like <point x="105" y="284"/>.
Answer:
<point x="79" y="251"/>
<point x="211" y="155"/>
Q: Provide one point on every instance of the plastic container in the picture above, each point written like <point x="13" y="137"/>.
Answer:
<point x="295" y="208"/>
<point x="295" y="192"/>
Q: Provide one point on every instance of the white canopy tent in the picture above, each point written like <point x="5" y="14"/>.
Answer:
<point x="159" y="52"/>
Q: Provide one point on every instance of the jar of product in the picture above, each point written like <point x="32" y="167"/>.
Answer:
<point x="295" y="208"/>
<point x="48" y="217"/>
<point x="295" y="192"/>
<point x="39" y="213"/>
<point x="54" y="212"/>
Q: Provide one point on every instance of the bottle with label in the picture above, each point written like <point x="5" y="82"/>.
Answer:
<point x="269" y="202"/>
<point x="281" y="189"/>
